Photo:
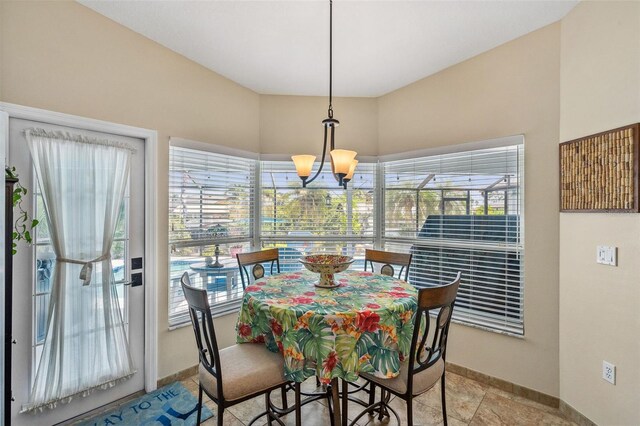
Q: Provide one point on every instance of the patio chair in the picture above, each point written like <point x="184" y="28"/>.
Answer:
<point x="234" y="374"/>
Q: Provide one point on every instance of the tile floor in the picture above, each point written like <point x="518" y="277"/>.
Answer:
<point x="468" y="403"/>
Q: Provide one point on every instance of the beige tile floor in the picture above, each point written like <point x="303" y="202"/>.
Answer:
<point x="468" y="403"/>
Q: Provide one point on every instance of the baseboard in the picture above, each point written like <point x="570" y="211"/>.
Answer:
<point x="180" y="375"/>
<point x="506" y="386"/>
<point x="574" y="415"/>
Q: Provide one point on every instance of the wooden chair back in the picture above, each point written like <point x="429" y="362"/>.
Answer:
<point x="202" y="322"/>
<point x="387" y="259"/>
<point x="256" y="259"/>
<point x="426" y="351"/>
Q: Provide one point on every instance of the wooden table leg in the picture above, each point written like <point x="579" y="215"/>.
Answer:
<point x="335" y="396"/>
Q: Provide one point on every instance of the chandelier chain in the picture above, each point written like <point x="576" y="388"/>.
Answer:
<point x="343" y="162"/>
<point x="330" y="111"/>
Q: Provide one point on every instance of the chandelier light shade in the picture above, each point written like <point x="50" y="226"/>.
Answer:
<point x="352" y="169"/>
<point x="304" y="164"/>
<point x="343" y="162"/>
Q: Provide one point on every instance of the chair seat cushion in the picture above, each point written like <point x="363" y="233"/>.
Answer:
<point x="422" y="382"/>
<point x="247" y="369"/>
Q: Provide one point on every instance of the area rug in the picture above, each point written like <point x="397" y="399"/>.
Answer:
<point x="172" y="405"/>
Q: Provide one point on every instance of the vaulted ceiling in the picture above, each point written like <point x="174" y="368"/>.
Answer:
<point x="282" y="47"/>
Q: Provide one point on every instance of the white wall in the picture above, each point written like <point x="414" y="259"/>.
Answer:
<point x="600" y="305"/>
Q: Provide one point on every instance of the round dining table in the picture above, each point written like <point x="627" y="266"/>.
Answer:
<point x="364" y="325"/>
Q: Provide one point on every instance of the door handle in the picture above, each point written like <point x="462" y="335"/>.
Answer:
<point x="136" y="280"/>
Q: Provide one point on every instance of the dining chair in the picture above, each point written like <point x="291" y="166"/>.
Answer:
<point x="234" y="374"/>
<point x="426" y="363"/>
<point x="256" y="259"/>
<point x="387" y="259"/>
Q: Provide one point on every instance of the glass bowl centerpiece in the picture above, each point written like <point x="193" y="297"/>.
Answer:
<point x="326" y="265"/>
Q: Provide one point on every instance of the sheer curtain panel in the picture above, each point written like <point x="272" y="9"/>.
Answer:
<point x="82" y="181"/>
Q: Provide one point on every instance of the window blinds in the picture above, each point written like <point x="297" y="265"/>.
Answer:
<point x="462" y="212"/>
<point x="321" y="217"/>
<point x="210" y="197"/>
<point x="211" y="202"/>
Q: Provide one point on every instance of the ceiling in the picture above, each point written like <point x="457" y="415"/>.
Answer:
<point x="281" y="47"/>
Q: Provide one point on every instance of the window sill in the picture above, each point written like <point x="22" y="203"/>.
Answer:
<point x="489" y="329"/>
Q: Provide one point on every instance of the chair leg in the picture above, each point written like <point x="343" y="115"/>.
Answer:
<point x="266" y="403"/>
<point x="382" y="407"/>
<point x="298" y="408"/>
<point x="345" y="401"/>
<point x="410" y="410"/>
<point x="220" y="414"/>
<point x="199" y="405"/>
<point x="372" y="393"/>
<point x="444" y="399"/>
<point x="283" y="391"/>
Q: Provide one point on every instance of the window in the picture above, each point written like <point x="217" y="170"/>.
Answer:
<point x="462" y="212"/>
<point x="322" y="217"/>
<point x="211" y="205"/>
<point x="454" y="212"/>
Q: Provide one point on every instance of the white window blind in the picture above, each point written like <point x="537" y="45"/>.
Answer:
<point x="211" y="205"/>
<point x="462" y="212"/>
<point x="320" y="218"/>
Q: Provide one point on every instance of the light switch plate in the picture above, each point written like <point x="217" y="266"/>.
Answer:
<point x="607" y="255"/>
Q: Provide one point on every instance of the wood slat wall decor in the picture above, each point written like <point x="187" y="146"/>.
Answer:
<point x="599" y="173"/>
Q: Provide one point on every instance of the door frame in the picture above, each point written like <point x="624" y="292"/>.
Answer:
<point x="4" y="143"/>
<point x="150" y="138"/>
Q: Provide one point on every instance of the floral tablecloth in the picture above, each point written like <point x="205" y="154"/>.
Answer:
<point x="365" y="325"/>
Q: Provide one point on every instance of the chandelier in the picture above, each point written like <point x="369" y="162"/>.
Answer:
<point x="343" y="162"/>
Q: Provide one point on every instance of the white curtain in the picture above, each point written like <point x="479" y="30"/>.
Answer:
<point x="82" y="181"/>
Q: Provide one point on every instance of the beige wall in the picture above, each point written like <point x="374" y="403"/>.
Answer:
<point x="89" y="66"/>
<point x="62" y="56"/>
<point x="293" y="124"/>
<point x="509" y="90"/>
<point x="599" y="305"/>
<point x="66" y="58"/>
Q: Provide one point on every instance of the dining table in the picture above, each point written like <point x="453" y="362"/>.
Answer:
<point x="363" y="325"/>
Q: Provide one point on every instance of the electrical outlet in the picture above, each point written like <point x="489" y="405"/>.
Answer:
<point x="609" y="372"/>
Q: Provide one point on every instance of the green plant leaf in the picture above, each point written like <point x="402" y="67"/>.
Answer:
<point x="22" y="220"/>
